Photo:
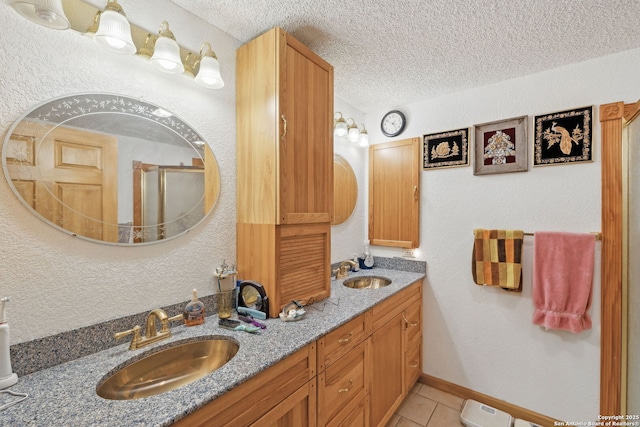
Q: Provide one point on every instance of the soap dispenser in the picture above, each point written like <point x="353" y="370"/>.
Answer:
<point x="7" y="376"/>
<point x="194" y="311"/>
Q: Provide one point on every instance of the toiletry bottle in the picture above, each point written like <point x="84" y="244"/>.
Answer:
<point x="7" y="376"/>
<point x="366" y="261"/>
<point x="194" y="311"/>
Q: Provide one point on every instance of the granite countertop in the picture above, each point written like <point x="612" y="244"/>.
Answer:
<point x="65" y="395"/>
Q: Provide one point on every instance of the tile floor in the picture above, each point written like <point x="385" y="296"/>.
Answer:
<point x="428" y="407"/>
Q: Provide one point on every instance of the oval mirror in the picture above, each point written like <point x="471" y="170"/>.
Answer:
<point x="345" y="190"/>
<point x="111" y="169"/>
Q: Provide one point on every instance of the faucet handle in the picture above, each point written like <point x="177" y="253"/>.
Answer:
<point x="165" y="322"/>
<point x="137" y="336"/>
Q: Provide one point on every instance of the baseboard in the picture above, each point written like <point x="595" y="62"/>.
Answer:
<point x="465" y="393"/>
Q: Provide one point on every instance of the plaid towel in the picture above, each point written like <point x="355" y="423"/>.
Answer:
<point x="497" y="258"/>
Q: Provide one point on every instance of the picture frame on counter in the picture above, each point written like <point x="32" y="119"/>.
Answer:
<point x="501" y="146"/>
<point x="445" y="149"/>
<point x="563" y="137"/>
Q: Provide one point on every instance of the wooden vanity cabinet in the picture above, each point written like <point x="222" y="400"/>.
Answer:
<point x="354" y="376"/>
<point x="393" y="346"/>
<point x="284" y="108"/>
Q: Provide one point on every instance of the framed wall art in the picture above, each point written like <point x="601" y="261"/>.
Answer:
<point x="563" y="137"/>
<point x="445" y="149"/>
<point x="501" y="146"/>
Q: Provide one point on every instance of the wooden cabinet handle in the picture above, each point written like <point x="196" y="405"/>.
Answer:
<point x="415" y="192"/>
<point x="346" y="390"/>
<point x="413" y="365"/>
<point x="284" y="128"/>
<point x="406" y="322"/>
<point x="343" y="341"/>
<point x="414" y="324"/>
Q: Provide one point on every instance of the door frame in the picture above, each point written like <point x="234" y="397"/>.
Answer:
<point x="612" y="357"/>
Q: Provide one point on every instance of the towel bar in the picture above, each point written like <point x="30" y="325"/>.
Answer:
<point x="596" y="234"/>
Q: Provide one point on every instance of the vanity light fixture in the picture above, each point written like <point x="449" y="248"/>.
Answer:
<point x="339" y="125"/>
<point x="113" y="30"/>
<point x="166" y="53"/>
<point x="364" y="137"/>
<point x="209" y="73"/>
<point x="353" y="133"/>
<point x="44" y="12"/>
<point x="350" y="129"/>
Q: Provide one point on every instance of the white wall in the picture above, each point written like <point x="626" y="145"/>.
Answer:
<point x="58" y="282"/>
<point x="483" y="338"/>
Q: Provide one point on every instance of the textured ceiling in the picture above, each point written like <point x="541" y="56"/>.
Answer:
<point x="392" y="52"/>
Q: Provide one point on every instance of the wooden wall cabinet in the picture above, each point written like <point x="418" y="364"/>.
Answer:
<point x="394" y="193"/>
<point x="284" y="102"/>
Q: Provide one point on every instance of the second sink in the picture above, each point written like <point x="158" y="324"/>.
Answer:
<point x="168" y="369"/>
<point x="367" y="282"/>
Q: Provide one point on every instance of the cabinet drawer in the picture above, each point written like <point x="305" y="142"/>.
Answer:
<point x="389" y="308"/>
<point x="333" y="346"/>
<point x="414" y="322"/>
<point x="341" y="382"/>
<point x="355" y="414"/>
<point x="413" y="364"/>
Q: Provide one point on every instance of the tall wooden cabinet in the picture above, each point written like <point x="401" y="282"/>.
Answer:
<point x="284" y="98"/>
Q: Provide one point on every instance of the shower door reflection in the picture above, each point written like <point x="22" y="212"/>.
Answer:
<point x="168" y="200"/>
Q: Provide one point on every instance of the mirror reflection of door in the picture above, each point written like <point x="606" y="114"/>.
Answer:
<point x="69" y="176"/>
<point x="168" y="200"/>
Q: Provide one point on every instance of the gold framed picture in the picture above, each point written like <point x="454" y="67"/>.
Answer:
<point x="445" y="149"/>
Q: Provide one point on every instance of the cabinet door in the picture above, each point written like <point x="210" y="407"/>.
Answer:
<point x="394" y="193"/>
<point x="306" y="142"/>
<point x="297" y="410"/>
<point x="387" y="383"/>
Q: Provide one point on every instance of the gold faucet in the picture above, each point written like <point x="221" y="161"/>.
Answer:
<point x="343" y="271"/>
<point x="151" y="333"/>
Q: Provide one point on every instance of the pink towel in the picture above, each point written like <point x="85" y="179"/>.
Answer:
<point x="562" y="279"/>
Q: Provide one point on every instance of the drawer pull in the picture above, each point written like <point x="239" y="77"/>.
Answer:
<point x="406" y="322"/>
<point x="343" y="341"/>
<point x="346" y="390"/>
<point x="413" y="365"/>
<point x="414" y="324"/>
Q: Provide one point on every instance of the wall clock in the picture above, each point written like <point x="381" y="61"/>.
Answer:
<point x="393" y="123"/>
